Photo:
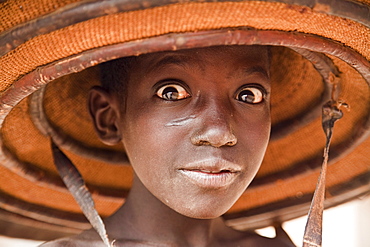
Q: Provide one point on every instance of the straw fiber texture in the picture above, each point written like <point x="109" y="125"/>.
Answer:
<point x="14" y="12"/>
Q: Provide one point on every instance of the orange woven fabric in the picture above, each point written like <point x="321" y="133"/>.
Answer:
<point x="14" y="12"/>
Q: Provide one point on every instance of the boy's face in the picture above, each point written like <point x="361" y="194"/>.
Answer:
<point x="196" y="123"/>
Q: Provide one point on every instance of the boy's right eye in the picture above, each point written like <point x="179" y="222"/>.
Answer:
<point x="172" y="92"/>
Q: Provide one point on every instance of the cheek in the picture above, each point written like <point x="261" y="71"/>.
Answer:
<point x="148" y="143"/>
<point x="151" y="133"/>
<point x="254" y="130"/>
<point x="253" y="138"/>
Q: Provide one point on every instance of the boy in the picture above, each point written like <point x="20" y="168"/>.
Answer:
<point x="195" y="125"/>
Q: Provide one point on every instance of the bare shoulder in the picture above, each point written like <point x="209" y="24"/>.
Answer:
<point x="85" y="239"/>
<point x="73" y="243"/>
<point x="59" y="243"/>
<point x="253" y="239"/>
<point x="271" y="242"/>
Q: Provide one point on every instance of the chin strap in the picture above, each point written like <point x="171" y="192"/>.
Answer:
<point x="76" y="185"/>
<point x="330" y="114"/>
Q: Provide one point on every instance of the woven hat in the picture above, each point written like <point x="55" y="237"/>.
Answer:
<point x="49" y="50"/>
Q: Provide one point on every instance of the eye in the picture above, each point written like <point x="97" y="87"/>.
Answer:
<point x="251" y="94"/>
<point x="172" y="92"/>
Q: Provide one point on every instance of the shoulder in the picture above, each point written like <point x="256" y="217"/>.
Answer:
<point x="73" y="243"/>
<point x="254" y="239"/>
<point x="59" y="243"/>
<point x="228" y="236"/>
<point x="274" y="242"/>
<point x="76" y="241"/>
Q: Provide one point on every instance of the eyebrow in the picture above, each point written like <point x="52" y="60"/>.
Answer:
<point x="172" y="59"/>
<point x="257" y="69"/>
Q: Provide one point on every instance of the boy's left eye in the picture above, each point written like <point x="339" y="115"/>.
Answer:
<point x="251" y="94"/>
<point x="172" y="92"/>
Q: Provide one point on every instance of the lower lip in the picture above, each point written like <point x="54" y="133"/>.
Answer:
<point x="209" y="180"/>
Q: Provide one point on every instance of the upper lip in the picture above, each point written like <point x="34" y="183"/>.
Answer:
<point x="212" y="165"/>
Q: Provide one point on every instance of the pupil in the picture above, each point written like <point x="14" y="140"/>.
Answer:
<point x="247" y="96"/>
<point x="170" y="93"/>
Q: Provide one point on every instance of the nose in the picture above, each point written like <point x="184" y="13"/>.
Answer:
<point x="215" y="128"/>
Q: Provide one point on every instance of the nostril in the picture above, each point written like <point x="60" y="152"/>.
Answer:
<point x="231" y="143"/>
<point x="215" y="142"/>
<point x="215" y="135"/>
<point x="203" y="143"/>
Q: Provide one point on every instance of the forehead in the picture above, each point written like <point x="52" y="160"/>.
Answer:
<point x="201" y="58"/>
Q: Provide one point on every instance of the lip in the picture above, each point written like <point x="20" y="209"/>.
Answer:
<point x="211" y="173"/>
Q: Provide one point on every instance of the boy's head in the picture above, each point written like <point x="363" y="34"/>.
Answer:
<point x="194" y="123"/>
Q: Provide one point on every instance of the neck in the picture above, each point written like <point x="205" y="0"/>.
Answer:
<point x="144" y="218"/>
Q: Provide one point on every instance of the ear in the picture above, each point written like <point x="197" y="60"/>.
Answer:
<point x="105" y="115"/>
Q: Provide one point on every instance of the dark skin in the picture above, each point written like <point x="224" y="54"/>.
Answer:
<point x="195" y="125"/>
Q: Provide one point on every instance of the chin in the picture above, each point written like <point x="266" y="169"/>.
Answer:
<point x="204" y="216"/>
<point x="205" y="210"/>
<point x="207" y="217"/>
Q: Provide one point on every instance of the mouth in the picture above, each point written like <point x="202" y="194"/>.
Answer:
<point x="211" y="173"/>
